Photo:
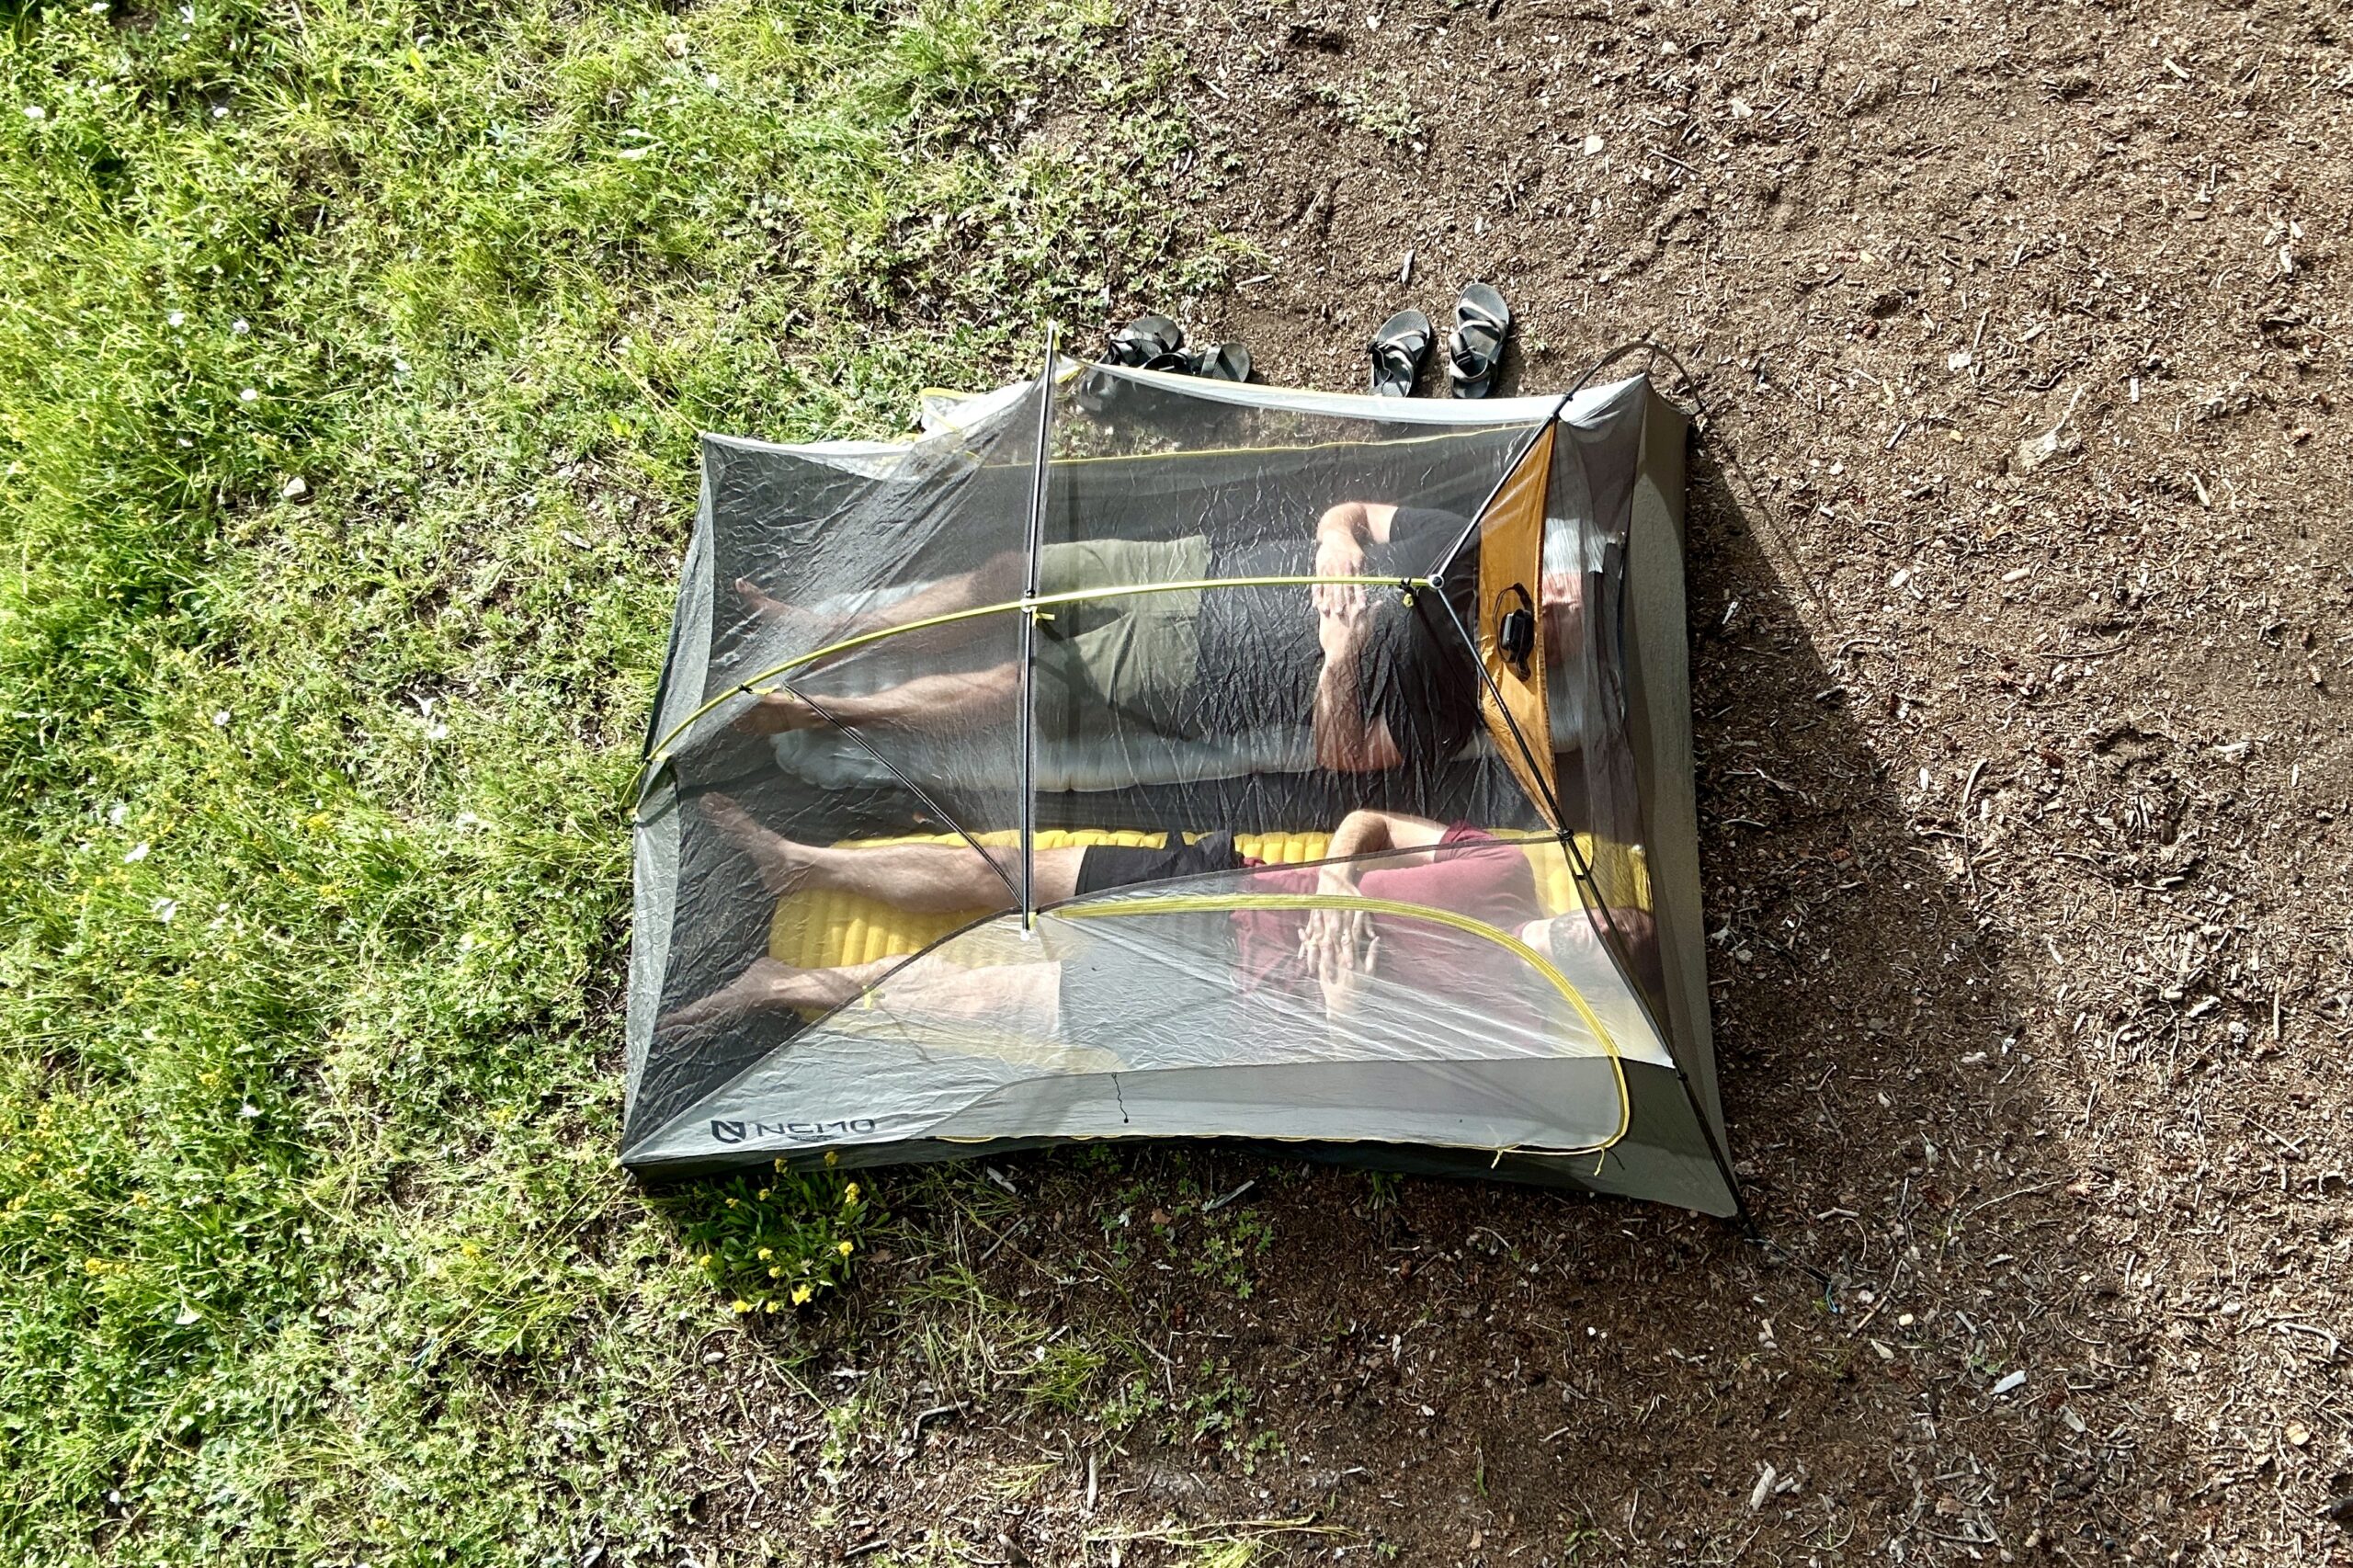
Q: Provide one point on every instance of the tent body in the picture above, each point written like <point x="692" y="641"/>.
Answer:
<point x="1120" y="612"/>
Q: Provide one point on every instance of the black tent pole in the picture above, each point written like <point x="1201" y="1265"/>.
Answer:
<point x="1028" y="719"/>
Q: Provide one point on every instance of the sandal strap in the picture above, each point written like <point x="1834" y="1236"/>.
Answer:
<point x="1468" y="357"/>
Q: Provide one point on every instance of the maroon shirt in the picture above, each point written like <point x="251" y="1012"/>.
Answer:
<point x="1475" y="874"/>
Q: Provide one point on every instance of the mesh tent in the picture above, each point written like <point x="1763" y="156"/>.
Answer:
<point x="1134" y="756"/>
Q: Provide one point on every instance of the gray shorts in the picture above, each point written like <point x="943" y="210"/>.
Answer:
<point x="1136" y="656"/>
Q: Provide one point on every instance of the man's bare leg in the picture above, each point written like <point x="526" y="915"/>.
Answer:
<point x="925" y="993"/>
<point x="1017" y="998"/>
<point x="923" y="878"/>
<point x="995" y="581"/>
<point x="957" y="700"/>
<point x="769" y="985"/>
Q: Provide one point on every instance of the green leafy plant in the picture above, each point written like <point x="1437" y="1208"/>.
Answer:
<point x="778" y="1239"/>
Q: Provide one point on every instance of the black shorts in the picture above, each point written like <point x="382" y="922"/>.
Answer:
<point x="1105" y="865"/>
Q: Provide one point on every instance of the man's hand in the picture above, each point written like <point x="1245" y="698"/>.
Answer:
<point x="1339" y="553"/>
<point x="1339" y="946"/>
<point x="1342" y="952"/>
<point x="1343" y="630"/>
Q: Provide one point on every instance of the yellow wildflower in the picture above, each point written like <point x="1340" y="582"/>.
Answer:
<point x="833" y="1156"/>
<point x="767" y="1253"/>
<point x="849" y="1196"/>
<point x="800" y="1294"/>
<point x="842" y="1247"/>
<point x="739" y="1304"/>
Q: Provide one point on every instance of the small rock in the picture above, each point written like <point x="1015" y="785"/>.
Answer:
<point x="2036" y="451"/>
<point x="1593" y="146"/>
<point x="2058" y="441"/>
<point x="295" y="489"/>
<point x="2010" y="1383"/>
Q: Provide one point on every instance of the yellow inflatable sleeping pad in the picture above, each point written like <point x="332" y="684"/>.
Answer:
<point x="826" y="928"/>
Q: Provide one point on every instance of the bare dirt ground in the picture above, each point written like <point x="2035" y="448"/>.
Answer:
<point x="2020" y="582"/>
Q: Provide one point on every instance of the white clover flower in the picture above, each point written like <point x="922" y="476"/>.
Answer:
<point x="178" y="318"/>
<point x="137" y="853"/>
<point x="220" y="719"/>
<point x="34" y="111"/>
<point x="165" y="909"/>
<point x="239" y="326"/>
<point x="248" y="1112"/>
<point x="115" y="814"/>
<point x="248" y="395"/>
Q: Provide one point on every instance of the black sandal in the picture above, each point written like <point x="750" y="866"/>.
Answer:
<point x="1147" y="343"/>
<point x="1226" y="362"/>
<point x="1481" y="322"/>
<point x="1399" y="350"/>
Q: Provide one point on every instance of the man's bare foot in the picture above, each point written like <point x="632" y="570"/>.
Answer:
<point x="781" y="863"/>
<point x="777" y="713"/>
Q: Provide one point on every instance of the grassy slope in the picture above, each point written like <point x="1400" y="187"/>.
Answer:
<point x="310" y="1245"/>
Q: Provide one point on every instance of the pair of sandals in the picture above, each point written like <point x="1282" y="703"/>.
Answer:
<point x="1474" y="350"/>
<point x="1155" y="343"/>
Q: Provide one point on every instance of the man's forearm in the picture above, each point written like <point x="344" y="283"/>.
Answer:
<point x="1359" y="833"/>
<point x="1366" y="522"/>
<point x="1338" y="720"/>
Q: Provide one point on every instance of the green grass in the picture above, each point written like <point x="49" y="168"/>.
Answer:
<point x="350" y="361"/>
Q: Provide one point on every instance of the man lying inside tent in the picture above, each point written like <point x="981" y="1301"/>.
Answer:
<point x="1387" y="682"/>
<point x="1304" y="954"/>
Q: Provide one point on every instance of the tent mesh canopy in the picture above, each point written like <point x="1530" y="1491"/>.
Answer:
<point x="1133" y="756"/>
